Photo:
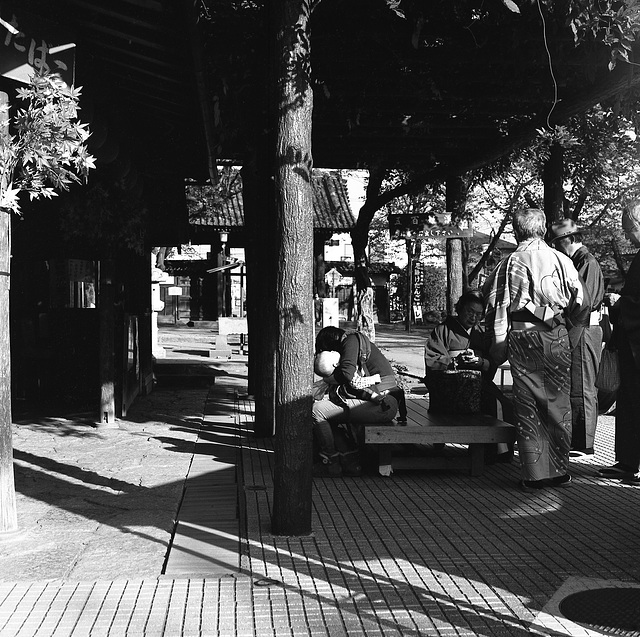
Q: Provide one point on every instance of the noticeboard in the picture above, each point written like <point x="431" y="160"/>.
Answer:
<point x="436" y="226"/>
<point x="24" y="55"/>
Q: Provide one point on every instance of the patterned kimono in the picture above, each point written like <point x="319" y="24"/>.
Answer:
<point x="534" y="301"/>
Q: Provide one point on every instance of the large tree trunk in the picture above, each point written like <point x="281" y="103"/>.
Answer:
<point x="456" y="197"/>
<point x="8" y="512"/>
<point x="553" y="186"/>
<point x="363" y="308"/>
<point x="294" y="211"/>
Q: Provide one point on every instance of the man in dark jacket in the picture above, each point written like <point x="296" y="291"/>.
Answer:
<point x="565" y="236"/>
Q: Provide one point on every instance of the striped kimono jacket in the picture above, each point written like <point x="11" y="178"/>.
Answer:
<point x="534" y="300"/>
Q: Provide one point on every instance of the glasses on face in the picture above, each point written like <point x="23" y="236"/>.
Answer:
<point x="472" y="313"/>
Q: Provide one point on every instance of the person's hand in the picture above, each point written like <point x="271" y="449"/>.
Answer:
<point x="469" y="360"/>
<point x="468" y="357"/>
<point x="611" y="298"/>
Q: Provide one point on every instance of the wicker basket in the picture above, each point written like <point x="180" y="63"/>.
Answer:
<point x="455" y="391"/>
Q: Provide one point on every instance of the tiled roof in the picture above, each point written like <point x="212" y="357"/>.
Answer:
<point x="331" y="209"/>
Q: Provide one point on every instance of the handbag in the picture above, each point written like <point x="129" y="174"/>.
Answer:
<point x="454" y="391"/>
<point x="608" y="377"/>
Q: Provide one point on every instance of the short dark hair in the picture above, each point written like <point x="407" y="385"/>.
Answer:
<point x="329" y="339"/>
<point x="468" y="297"/>
<point x="576" y="237"/>
<point x="529" y="223"/>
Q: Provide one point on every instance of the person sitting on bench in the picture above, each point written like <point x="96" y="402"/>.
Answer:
<point x="460" y="341"/>
<point x="337" y="414"/>
<point x="324" y="366"/>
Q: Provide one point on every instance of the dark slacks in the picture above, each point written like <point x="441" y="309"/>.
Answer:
<point x="585" y="359"/>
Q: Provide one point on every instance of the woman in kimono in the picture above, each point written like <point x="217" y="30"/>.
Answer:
<point x="461" y="341"/>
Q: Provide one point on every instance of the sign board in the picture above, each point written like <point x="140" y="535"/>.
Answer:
<point x="22" y="55"/>
<point x="436" y="226"/>
<point x="232" y="325"/>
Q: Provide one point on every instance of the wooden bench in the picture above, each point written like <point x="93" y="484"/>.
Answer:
<point x="423" y="427"/>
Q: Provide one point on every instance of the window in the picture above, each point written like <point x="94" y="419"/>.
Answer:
<point x="73" y="283"/>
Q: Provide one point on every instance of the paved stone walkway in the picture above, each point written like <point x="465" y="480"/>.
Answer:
<point x="429" y="552"/>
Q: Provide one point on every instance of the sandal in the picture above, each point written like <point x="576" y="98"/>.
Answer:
<point x="532" y="486"/>
<point x="561" y="481"/>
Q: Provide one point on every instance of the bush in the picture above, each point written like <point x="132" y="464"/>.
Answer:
<point x="434" y="292"/>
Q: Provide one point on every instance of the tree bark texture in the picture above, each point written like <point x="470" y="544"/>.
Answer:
<point x="552" y="180"/>
<point x="294" y="212"/>
<point x="456" y="195"/>
<point x="8" y="511"/>
<point x="261" y="255"/>
<point x="363" y="309"/>
<point x="454" y="273"/>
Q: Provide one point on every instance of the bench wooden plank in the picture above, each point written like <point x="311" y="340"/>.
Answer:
<point x="423" y="427"/>
<point x="460" y="434"/>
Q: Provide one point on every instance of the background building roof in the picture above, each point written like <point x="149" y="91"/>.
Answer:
<point x="212" y="210"/>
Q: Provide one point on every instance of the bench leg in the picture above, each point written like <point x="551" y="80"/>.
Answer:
<point x="384" y="460"/>
<point x="477" y="458"/>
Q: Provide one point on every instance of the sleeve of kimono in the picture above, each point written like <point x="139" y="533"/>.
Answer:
<point x="591" y="274"/>
<point x="497" y="302"/>
<point x="579" y="307"/>
<point x="436" y="352"/>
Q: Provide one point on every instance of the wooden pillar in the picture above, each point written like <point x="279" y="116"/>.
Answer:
<point x="143" y="309"/>
<point x="409" y="245"/>
<point x="221" y="284"/>
<point x="257" y="193"/>
<point x="553" y="185"/>
<point x="319" y="269"/>
<point x="107" y="413"/>
<point x="195" y="303"/>
<point x="8" y="511"/>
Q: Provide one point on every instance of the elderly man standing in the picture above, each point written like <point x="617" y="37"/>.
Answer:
<point x="566" y="237"/>
<point x="535" y="303"/>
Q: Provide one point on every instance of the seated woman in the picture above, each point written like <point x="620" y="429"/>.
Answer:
<point x="461" y="341"/>
<point x="333" y="416"/>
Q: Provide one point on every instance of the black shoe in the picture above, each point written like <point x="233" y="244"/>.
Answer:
<point x="505" y="458"/>
<point x="328" y="467"/>
<point x="618" y="470"/>
<point x="561" y="481"/>
<point x="531" y="486"/>
<point x="579" y="453"/>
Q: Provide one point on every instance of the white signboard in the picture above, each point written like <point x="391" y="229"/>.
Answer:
<point x="330" y="312"/>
